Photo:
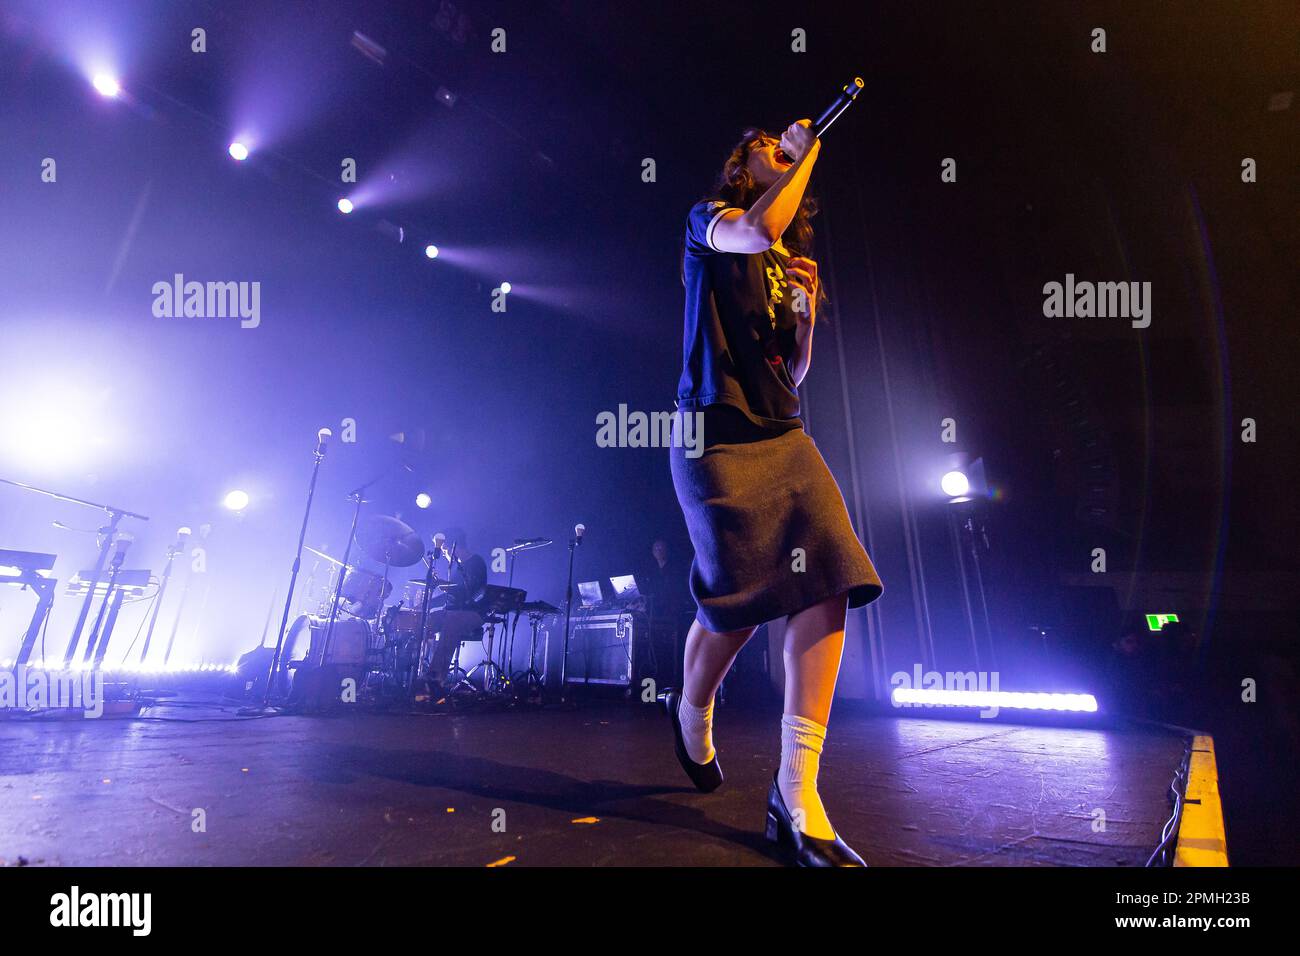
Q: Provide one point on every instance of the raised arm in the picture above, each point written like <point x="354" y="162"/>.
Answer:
<point x="760" y="226"/>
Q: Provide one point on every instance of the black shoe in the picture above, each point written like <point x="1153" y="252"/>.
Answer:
<point x="707" y="777"/>
<point x="801" y="849"/>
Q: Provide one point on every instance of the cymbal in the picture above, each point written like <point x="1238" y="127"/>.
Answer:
<point x="389" y="541"/>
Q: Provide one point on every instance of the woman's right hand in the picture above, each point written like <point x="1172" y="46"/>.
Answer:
<point x="798" y="139"/>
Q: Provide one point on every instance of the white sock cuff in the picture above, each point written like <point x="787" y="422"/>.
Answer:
<point x="704" y="713"/>
<point x="811" y="733"/>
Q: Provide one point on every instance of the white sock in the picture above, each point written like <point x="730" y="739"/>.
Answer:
<point x="697" y="729"/>
<point x="801" y="752"/>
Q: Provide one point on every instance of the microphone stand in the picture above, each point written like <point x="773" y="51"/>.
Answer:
<point x="172" y="551"/>
<point x="115" y="516"/>
<point x="356" y="496"/>
<point x="568" y="613"/>
<point x="318" y="456"/>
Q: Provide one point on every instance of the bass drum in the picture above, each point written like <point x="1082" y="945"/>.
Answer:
<point x="304" y="646"/>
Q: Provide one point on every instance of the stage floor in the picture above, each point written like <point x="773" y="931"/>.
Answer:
<point x="594" y="786"/>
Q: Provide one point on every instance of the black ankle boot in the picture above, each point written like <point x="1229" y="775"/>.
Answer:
<point x="803" y="850"/>
<point x="707" y="777"/>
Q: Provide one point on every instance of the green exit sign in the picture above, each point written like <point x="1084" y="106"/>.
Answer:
<point x="1156" y="622"/>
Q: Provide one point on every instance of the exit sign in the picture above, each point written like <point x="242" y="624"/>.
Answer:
<point x="1156" y="622"/>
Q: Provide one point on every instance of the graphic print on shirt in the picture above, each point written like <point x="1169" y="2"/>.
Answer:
<point x="776" y="285"/>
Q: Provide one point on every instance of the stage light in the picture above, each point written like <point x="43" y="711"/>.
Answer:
<point x="345" y="206"/>
<point x="1085" y="703"/>
<point x="505" y="287"/>
<point x="431" y="251"/>
<point x="422" y="500"/>
<point x="106" y="85"/>
<point x="236" y="500"/>
<point x="955" y="484"/>
<point x="238" y="151"/>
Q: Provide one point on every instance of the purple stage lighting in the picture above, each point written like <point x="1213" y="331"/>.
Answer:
<point x="238" y="151"/>
<point x="431" y="251"/>
<point x="106" y="85"/>
<point x="345" y="206"/>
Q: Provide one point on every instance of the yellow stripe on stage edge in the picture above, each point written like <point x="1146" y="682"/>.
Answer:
<point x="1201" y="840"/>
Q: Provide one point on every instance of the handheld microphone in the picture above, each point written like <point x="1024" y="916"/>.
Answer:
<point x="322" y="438"/>
<point x="578" y="531"/>
<point x="841" y="103"/>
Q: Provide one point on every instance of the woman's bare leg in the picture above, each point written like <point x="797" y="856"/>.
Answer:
<point x="707" y="659"/>
<point x="814" y="644"/>
<point x="709" y="655"/>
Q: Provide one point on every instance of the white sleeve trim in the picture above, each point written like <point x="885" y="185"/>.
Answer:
<point x="708" y="233"/>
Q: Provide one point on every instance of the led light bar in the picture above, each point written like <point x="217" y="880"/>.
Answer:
<point x="985" y="699"/>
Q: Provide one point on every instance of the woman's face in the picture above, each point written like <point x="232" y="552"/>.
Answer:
<point x="766" y="164"/>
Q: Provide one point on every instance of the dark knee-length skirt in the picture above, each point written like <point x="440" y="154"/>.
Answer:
<point x="771" y="533"/>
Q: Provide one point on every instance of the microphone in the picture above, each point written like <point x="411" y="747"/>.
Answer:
<point x="578" y="531"/>
<point x="841" y="103"/>
<point x="322" y="438"/>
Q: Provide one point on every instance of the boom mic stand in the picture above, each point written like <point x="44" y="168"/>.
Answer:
<point x="115" y="516"/>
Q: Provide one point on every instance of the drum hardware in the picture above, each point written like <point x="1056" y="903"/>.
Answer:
<point x="108" y="532"/>
<point x="531" y="680"/>
<point x="24" y="568"/>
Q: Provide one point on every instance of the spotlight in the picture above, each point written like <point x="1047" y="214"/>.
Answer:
<point x="238" y="151"/>
<point x="422" y="500"/>
<point x="106" y="85"/>
<point x="236" y="500"/>
<point x="955" y="484"/>
<point x="345" y="206"/>
<point x="505" y="287"/>
<point x="431" y="251"/>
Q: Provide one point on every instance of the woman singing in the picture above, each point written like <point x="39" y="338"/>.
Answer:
<point x="771" y="534"/>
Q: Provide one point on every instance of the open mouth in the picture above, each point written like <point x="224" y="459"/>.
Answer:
<point x="781" y="158"/>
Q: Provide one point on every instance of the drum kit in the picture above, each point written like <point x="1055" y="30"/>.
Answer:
<point x="409" y="652"/>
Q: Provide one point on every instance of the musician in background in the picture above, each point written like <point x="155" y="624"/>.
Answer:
<point x="665" y="581"/>
<point x="468" y="570"/>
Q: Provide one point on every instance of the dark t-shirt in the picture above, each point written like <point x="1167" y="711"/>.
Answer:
<point x="739" y="335"/>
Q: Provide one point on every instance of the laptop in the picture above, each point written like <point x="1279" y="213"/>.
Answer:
<point x="589" y="593"/>
<point x="625" y="588"/>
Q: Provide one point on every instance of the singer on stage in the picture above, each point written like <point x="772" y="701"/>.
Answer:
<point x="771" y="533"/>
